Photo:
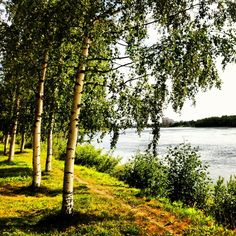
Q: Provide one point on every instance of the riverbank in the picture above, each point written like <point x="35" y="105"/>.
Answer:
<point x="217" y="146"/>
<point x="103" y="206"/>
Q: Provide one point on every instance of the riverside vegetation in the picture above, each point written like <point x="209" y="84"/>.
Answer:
<point x="105" y="205"/>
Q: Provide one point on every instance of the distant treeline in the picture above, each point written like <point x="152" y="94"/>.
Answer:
<point x="223" y="121"/>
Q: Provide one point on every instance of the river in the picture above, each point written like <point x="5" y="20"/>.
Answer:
<point x="217" y="146"/>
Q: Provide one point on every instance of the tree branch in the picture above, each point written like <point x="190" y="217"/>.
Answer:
<point x="107" y="59"/>
<point x="133" y="79"/>
<point x="171" y="16"/>
<point x="113" y="69"/>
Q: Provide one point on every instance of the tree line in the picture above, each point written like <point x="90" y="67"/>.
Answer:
<point x="79" y="67"/>
<point x="223" y="121"/>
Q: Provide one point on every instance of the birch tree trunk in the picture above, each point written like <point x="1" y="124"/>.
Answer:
<point x="22" y="146"/>
<point x="37" y="124"/>
<point x="13" y="131"/>
<point x="48" y="166"/>
<point x="67" y="203"/>
<point x="6" y="142"/>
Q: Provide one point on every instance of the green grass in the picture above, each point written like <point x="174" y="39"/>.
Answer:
<point x="102" y="204"/>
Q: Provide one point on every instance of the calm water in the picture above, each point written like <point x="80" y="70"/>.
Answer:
<point x="217" y="146"/>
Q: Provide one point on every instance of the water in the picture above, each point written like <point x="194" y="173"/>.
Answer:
<point x="217" y="146"/>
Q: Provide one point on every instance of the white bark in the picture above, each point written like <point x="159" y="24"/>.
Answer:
<point x="67" y="204"/>
<point x="37" y="125"/>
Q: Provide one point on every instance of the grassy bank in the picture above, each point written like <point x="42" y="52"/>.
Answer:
<point x="103" y="206"/>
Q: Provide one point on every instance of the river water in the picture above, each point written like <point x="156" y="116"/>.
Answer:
<point x="217" y="146"/>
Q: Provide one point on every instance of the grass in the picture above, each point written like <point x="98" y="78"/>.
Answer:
<point x="103" y="206"/>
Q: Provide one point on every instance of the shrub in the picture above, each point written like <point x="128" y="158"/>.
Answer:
<point x="119" y="172"/>
<point x="188" y="179"/>
<point x="224" y="207"/>
<point x="59" y="147"/>
<point x="29" y="143"/>
<point x="147" y="173"/>
<point x="88" y="155"/>
<point x="18" y="139"/>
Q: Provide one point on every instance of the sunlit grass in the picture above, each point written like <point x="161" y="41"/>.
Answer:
<point x="103" y="205"/>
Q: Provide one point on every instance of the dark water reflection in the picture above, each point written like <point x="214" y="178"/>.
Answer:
<point x="217" y="146"/>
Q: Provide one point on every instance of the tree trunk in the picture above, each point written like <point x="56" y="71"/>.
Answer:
<point x="48" y="166"/>
<point x="6" y="142"/>
<point x="37" y="125"/>
<point x="13" y="131"/>
<point x="67" y="203"/>
<point x="22" y="145"/>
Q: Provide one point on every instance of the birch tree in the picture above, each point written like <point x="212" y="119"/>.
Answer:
<point x="188" y="38"/>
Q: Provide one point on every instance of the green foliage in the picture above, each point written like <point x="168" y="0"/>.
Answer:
<point x="119" y="172"/>
<point x="88" y="155"/>
<point x="28" y="144"/>
<point x="224" y="207"/>
<point x="18" y="139"/>
<point x="147" y="173"/>
<point x="184" y="180"/>
<point x="188" y="179"/>
<point x="59" y="147"/>
<point x="183" y="177"/>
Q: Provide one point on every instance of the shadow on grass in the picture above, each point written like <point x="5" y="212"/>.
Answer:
<point x="7" y="163"/>
<point x="61" y="222"/>
<point x="12" y="163"/>
<point x="15" y="171"/>
<point x="23" y="152"/>
<point x="2" y="153"/>
<point x="11" y="224"/>
<point x="49" y="223"/>
<point x="9" y="190"/>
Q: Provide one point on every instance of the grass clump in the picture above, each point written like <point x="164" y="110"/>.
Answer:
<point x="89" y="156"/>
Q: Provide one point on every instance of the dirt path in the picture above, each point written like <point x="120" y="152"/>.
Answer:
<point x="94" y="189"/>
<point x="152" y="221"/>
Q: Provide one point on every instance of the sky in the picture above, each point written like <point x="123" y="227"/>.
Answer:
<point x="213" y="102"/>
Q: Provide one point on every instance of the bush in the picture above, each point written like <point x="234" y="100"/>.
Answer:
<point x="18" y="139"/>
<point x="59" y="147"/>
<point x="147" y="173"/>
<point x="224" y="207"/>
<point x="88" y="155"/>
<point x="188" y="179"/>
<point x="119" y="172"/>
<point x="29" y="142"/>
